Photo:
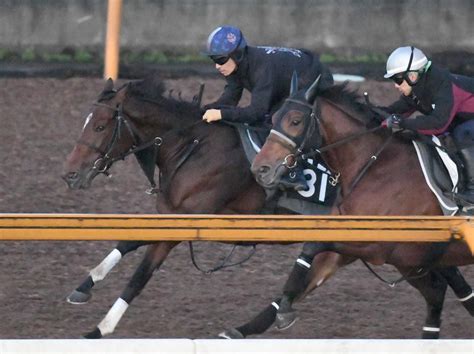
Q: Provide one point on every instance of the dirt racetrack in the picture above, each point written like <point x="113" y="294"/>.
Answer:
<point x="40" y="120"/>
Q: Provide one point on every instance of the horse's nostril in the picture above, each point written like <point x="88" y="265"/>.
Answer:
<point x="263" y="169"/>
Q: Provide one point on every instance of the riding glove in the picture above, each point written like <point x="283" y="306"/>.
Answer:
<point x="393" y="122"/>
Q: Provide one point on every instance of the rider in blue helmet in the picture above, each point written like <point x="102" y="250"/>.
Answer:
<point x="224" y="42"/>
<point x="266" y="73"/>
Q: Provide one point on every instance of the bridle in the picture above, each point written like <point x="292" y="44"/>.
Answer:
<point x="105" y="160"/>
<point x="298" y="144"/>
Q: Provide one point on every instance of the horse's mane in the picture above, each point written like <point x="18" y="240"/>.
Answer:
<point x="152" y="89"/>
<point x="343" y="96"/>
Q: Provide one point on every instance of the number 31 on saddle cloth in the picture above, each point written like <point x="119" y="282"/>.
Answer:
<point x="322" y="190"/>
<point x="322" y="185"/>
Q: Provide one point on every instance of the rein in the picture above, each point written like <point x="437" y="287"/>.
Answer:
<point x="420" y="273"/>
<point x="224" y="263"/>
<point x="300" y="155"/>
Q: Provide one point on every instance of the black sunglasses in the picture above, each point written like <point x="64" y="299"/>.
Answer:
<point x="220" y="59"/>
<point x="398" y="79"/>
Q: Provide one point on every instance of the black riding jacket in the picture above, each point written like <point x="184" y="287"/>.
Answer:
<point x="440" y="96"/>
<point x="266" y="72"/>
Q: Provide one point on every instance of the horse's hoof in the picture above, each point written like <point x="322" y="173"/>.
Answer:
<point x="95" y="334"/>
<point x="285" y="320"/>
<point x="430" y="335"/>
<point x="78" y="298"/>
<point x="231" y="334"/>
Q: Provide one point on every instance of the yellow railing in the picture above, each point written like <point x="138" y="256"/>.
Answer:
<point x="266" y="228"/>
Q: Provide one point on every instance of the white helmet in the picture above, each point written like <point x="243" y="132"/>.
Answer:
<point x="405" y="59"/>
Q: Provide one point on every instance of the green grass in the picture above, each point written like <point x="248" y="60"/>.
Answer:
<point x="152" y="56"/>
<point x="368" y="58"/>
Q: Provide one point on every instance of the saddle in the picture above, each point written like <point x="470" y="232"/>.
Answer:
<point x="322" y="190"/>
<point x="440" y="172"/>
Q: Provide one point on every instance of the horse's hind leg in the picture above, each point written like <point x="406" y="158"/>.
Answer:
<point x="82" y="293"/>
<point x="460" y="286"/>
<point x="433" y="288"/>
<point x="154" y="257"/>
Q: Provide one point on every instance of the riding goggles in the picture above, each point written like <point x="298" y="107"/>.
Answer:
<point x="399" y="78"/>
<point x="220" y="59"/>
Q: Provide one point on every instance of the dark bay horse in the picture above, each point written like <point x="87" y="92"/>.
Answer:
<point x="341" y="128"/>
<point x="202" y="167"/>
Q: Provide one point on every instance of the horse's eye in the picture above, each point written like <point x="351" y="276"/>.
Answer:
<point x="99" y="128"/>
<point x="295" y="122"/>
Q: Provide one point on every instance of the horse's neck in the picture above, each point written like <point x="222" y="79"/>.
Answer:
<point x="177" y="137"/>
<point x="350" y="157"/>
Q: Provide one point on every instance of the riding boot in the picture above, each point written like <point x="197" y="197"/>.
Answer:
<point x="467" y="157"/>
<point x="295" y="179"/>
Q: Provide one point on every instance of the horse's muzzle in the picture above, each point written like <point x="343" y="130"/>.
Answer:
<point x="266" y="176"/>
<point x="75" y="180"/>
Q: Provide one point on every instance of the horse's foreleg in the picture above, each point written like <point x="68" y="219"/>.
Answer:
<point x="322" y="266"/>
<point x="154" y="257"/>
<point x="460" y="286"/>
<point x="433" y="288"/>
<point x="257" y="325"/>
<point x="82" y="293"/>
<point x="298" y="280"/>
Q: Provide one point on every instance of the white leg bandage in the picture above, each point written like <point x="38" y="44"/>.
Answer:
<point x="99" y="272"/>
<point x="113" y="317"/>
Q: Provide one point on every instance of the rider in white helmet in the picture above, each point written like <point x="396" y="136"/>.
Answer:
<point x="445" y="101"/>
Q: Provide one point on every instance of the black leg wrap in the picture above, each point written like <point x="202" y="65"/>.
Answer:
<point x="469" y="303"/>
<point x="296" y="282"/>
<point x="86" y="285"/>
<point x="431" y="328"/>
<point x="460" y="287"/>
<point x="430" y="335"/>
<point x="95" y="334"/>
<point x="261" y="322"/>
<point x="125" y="247"/>
<point x="456" y="281"/>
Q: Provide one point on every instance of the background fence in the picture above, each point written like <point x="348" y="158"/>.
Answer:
<point x="337" y="26"/>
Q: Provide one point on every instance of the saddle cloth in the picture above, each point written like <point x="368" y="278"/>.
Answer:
<point x="320" y="196"/>
<point x="441" y="174"/>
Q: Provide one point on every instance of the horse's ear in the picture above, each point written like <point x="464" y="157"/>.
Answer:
<point x="294" y="83"/>
<point x="109" y="85"/>
<point x="310" y="93"/>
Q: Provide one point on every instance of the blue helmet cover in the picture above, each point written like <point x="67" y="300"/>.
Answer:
<point x="225" y="40"/>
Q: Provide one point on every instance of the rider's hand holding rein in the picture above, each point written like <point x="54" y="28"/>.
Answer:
<point x="212" y="115"/>
<point x="393" y="122"/>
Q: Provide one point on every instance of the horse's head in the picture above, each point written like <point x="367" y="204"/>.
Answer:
<point x="106" y="136"/>
<point x="295" y="128"/>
